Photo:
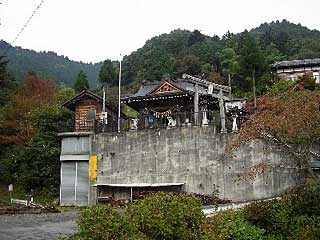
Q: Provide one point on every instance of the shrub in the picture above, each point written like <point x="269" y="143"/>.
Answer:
<point x="304" y="227"/>
<point x="214" y="228"/>
<point x="241" y="229"/>
<point x="167" y="216"/>
<point x="230" y="225"/>
<point x="304" y="199"/>
<point x="104" y="223"/>
<point x="295" y="216"/>
<point x="273" y="216"/>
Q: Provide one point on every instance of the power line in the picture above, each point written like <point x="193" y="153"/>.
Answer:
<point x="28" y="21"/>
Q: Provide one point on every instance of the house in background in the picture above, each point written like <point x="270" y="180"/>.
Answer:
<point x="291" y="70"/>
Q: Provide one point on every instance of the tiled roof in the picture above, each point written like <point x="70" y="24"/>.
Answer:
<point x="296" y="63"/>
<point x="148" y="87"/>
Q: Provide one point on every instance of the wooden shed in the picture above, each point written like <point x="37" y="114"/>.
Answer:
<point x="87" y="107"/>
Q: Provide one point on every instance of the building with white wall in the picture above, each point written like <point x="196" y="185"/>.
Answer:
<point x="291" y="70"/>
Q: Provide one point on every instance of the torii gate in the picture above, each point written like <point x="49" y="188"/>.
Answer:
<point x="213" y="89"/>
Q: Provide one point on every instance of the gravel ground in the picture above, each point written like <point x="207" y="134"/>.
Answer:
<point x="37" y="226"/>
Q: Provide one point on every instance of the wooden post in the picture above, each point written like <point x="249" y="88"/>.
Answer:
<point x="196" y="104"/>
<point x="222" y="113"/>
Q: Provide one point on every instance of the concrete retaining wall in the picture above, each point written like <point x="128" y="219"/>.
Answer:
<point x="195" y="156"/>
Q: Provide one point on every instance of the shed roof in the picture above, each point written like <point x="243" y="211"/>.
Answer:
<point x="138" y="184"/>
<point x="86" y="93"/>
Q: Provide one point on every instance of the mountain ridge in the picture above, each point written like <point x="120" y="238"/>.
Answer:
<point x="167" y="54"/>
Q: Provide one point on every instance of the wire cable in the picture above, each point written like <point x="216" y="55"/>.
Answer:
<point x="28" y="21"/>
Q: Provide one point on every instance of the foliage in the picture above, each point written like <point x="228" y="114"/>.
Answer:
<point x="81" y="82"/>
<point x="158" y="216"/>
<point x="273" y="216"/>
<point x="292" y="117"/>
<point x="229" y="61"/>
<point x="307" y="81"/>
<point x="17" y="122"/>
<point x="305" y="227"/>
<point x="295" y="216"/>
<point x="252" y="61"/>
<point x="65" y="94"/>
<point x="177" y="216"/>
<point x="103" y="222"/>
<point x="189" y="64"/>
<point x="6" y="82"/>
<point x="48" y="65"/>
<point x="214" y="228"/>
<point x="230" y="225"/>
<point x="279" y="87"/>
<point x="167" y="216"/>
<point x="107" y="74"/>
<point x="303" y="199"/>
<point x="29" y="125"/>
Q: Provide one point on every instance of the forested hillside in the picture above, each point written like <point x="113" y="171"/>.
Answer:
<point x="169" y="55"/>
<point x="47" y="64"/>
<point x="236" y="54"/>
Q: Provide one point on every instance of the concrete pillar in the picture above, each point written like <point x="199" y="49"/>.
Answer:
<point x="222" y="113"/>
<point x="234" y="123"/>
<point x="196" y="105"/>
<point x="204" y="117"/>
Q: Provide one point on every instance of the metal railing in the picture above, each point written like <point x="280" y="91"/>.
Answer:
<point x="153" y="121"/>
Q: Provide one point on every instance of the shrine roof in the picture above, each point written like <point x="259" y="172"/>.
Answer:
<point x="148" y="88"/>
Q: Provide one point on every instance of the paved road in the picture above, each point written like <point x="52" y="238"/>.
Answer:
<point x="37" y="226"/>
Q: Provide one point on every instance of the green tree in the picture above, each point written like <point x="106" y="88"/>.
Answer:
<point x="28" y="126"/>
<point x="252" y="61"/>
<point x="230" y="63"/>
<point x="189" y="64"/>
<point x="81" y="82"/>
<point x="6" y="81"/>
<point x="195" y="37"/>
<point x="107" y="74"/>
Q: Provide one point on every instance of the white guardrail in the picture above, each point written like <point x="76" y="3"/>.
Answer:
<point x="19" y="201"/>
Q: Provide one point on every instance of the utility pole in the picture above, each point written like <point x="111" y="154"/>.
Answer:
<point x="119" y="101"/>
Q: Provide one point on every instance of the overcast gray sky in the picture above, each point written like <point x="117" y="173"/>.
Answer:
<point x="94" y="30"/>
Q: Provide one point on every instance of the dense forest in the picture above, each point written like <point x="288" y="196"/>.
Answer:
<point x="47" y="64"/>
<point x="34" y="85"/>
